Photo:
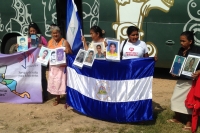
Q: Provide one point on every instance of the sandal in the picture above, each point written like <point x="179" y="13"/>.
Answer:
<point x="173" y="121"/>
<point x="185" y="128"/>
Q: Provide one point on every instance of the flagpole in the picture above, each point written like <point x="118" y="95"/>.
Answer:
<point x="81" y="38"/>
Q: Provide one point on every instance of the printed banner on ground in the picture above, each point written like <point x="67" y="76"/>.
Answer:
<point x="20" y="77"/>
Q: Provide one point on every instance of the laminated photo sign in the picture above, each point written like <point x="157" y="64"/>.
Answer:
<point x="191" y="64"/>
<point x="35" y="40"/>
<point x="58" y="56"/>
<point x="112" y="50"/>
<point x="22" y="42"/>
<point x="177" y="65"/>
<point x="89" y="58"/>
<point x="98" y="51"/>
<point x="80" y="58"/>
<point x="44" y="56"/>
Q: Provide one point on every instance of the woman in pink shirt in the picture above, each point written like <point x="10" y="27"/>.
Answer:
<point x="33" y="29"/>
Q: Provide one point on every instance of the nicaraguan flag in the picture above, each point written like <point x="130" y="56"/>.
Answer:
<point x="73" y="27"/>
<point x="112" y="91"/>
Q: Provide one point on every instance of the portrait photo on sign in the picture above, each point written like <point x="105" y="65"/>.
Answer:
<point x="22" y="42"/>
<point x="112" y="50"/>
<point x="44" y="56"/>
<point x="52" y="60"/>
<point x="35" y="40"/>
<point x="80" y="58"/>
<point x="60" y="55"/>
<point x="98" y="51"/>
<point x="89" y="58"/>
<point x="191" y="64"/>
<point x="177" y="65"/>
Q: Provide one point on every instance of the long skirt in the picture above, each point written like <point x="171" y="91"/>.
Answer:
<point x="57" y="80"/>
<point x="181" y="90"/>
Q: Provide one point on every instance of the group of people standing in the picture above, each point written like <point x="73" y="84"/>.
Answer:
<point x="129" y="48"/>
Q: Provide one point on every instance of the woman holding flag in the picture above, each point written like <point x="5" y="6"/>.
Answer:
<point x="57" y="74"/>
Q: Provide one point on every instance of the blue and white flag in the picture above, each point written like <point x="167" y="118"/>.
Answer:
<point x="73" y="27"/>
<point x="112" y="91"/>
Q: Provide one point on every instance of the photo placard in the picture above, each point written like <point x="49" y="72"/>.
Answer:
<point x="112" y="50"/>
<point x="177" y="65"/>
<point x="22" y="42"/>
<point x="191" y="64"/>
<point x="44" y="56"/>
<point x="35" y="40"/>
<point x="99" y="51"/>
<point x="80" y="58"/>
<point x="89" y="58"/>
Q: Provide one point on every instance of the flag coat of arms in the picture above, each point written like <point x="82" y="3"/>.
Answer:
<point x="112" y="91"/>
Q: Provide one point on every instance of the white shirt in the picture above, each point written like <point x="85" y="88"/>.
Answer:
<point x="133" y="50"/>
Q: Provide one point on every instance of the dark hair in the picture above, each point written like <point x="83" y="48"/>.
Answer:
<point x="130" y="29"/>
<point x="189" y="35"/>
<point x="35" y="26"/>
<point x="53" y="52"/>
<point x="46" y="51"/>
<point x="98" y="46"/>
<point x="97" y="29"/>
<point x="113" y="44"/>
<point x="53" y="25"/>
<point x="91" y="52"/>
<point x="22" y="39"/>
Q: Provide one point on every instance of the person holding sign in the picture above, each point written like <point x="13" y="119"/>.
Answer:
<point x="133" y="47"/>
<point x="184" y="84"/>
<point x="33" y="29"/>
<point x="57" y="74"/>
<point x="97" y="35"/>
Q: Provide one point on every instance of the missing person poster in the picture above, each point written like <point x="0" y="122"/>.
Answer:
<point x="177" y="65"/>
<point x="99" y="51"/>
<point x="191" y="64"/>
<point x="112" y="50"/>
<point x="44" y="56"/>
<point x="22" y="42"/>
<point x="80" y="58"/>
<point x="89" y="58"/>
<point x="57" y="56"/>
<point x="35" y="40"/>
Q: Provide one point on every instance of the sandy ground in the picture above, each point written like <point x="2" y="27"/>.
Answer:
<point x="45" y="118"/>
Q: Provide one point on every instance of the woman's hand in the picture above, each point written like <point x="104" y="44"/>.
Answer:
<point x="155" y="58"/>
<point x="105" y="43"/>
<point x="83" y="39"/>
<point x="196" y="74"/>
<point x="16" y="46"/>
<point x="40" y="45"/>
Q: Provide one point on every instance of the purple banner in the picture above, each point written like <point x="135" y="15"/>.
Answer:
<point x="20" y="77"/>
